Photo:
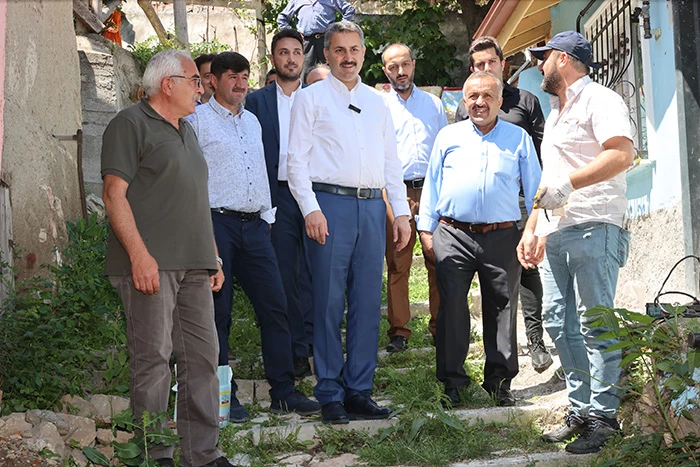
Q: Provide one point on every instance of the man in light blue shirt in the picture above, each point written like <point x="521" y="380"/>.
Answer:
<point x="467" y="218"/>
<point x="312" y="19"/>
<point x="417" y="117"/>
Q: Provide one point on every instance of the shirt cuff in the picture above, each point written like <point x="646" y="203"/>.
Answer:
<point x="426" y="223"/>
<point x="309" y="205"/>
<point x="269" y="215"/>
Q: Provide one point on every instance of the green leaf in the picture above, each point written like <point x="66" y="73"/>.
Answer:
<point x="687" y="415"/>
<point x="675" y="383"/>
<point x="451" y="422"/>
<point x="95" y="456"/>
<point x="128" y="450"/>
<point x="415" y="428"/>
<point x="630" y="358"/>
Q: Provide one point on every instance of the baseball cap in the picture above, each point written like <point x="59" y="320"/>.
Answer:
<point x="570" y="42"/>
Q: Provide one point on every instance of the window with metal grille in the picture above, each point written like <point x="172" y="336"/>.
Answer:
<point x="613" y="31"/>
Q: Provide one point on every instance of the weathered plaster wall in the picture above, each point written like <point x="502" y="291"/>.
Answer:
<point x="230" y="28"/>
<point x="222" y="24"/>
<point x="109" y="82"/>
<point x="42" y="99"/>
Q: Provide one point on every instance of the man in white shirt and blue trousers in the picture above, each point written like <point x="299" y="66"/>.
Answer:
<point x="342" y="153"/>
<point x="468" y="211"/>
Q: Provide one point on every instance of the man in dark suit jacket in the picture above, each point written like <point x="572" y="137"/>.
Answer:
<point x="272" y="105"/>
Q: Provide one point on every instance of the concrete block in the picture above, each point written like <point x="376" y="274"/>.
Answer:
<point x="82" y="430"/>
<point x="108" y="405"/>
<point x="35" y="417"/>
<point x="46" y="436"/>
<point x="14" y="423"/>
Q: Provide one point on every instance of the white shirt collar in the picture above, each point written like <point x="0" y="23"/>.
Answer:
<point x="223" y="111"/>
<point x="340" y="86"/>
<point x="280" y="91"/>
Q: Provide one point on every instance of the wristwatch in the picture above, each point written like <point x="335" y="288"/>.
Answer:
<point x="219" y="260"/>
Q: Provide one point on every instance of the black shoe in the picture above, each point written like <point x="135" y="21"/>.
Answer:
<point x="334" y="413"/>
<point x="361" y="407"/>
<point x="502" y="396"/>
<point x="597" y="432"/>
<point x="220" y="462"/>
<point x="572" y="426"/>
<point x="295" y="402"/>
<point x="541" y="359"/>
<point x="397" y="344"/>
<point x="302" y="369"/>
<point x="452" y="398"/>
<point x="237" y="413"/>
<point x="165" y="462"/>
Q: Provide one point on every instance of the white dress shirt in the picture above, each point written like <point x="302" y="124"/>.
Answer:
<point x="232" y="145"/>
<point x="330" y="143"/>
<point x="284" y="111"/>
<point x="573" y="137"/>
<point x="417" y="120"/>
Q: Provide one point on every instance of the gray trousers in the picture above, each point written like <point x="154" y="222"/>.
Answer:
<point x="179" y="320"/>
<point x="459" y="255"/>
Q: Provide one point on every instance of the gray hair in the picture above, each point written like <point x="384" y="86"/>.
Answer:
<point x="341" y="26"/>
<point x="160" y="66"/>
<point x="485" y="74"/>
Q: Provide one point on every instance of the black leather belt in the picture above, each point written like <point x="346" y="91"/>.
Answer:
<point x="476" y="228"/>
<point x="417" y="183"/>
<point x="317" y="36"/>
<point x="362" y="193"/>
<point x="283" y="183"/>
<point x="241" y="216"/>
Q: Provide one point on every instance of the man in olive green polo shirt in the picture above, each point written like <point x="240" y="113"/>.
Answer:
<point x="161" y="256"/>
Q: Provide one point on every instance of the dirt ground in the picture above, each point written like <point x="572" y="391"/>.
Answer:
<point x="12" y="454"/>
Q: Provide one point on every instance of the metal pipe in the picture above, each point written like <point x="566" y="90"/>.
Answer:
<point x="582" y="13"/>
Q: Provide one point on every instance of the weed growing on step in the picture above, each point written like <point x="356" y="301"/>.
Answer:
<point x="665" y="380"/>
<point x="335" y="442"/>
<point x="263" y="452"/>
<point x="64" y="333"/>
<point x="441" y="439"/>
<point x="151" y="429"/>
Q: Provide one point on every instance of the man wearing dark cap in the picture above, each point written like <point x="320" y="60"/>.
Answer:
<point x="586" y="148"/>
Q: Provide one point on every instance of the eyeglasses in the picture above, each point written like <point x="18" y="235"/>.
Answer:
<point x="195" y="79"/>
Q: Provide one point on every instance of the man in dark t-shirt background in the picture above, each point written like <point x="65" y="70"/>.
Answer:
<point x="161" y="256"/>
<point x="521" y="108"/>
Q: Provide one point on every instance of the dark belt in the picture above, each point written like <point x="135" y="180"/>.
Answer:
<point x="362" y="193"/>
<point x="476" y="228"/>
<point x="315" y="36"/>
<point x="241" y="216"/>
<point x="417" y="183"/>
<point x="283" y="183"/>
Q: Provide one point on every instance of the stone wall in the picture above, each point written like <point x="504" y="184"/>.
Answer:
<point x="42" y="101"/>
<point x="110" y="79"/>
<point x="657" y="243"/>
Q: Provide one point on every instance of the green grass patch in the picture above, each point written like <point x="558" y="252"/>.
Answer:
<point x="442" y="439"/>
<point x="265" y="451"/>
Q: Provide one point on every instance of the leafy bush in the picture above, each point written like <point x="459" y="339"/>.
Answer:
<point x="59" y="334"/>
<point x="418" y="28"/>
<point x="144" y="51"/>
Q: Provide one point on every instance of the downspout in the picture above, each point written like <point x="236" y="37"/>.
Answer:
<point x="582" y="14"/>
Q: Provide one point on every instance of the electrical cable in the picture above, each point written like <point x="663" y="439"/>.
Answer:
<point x="674" y="292"/>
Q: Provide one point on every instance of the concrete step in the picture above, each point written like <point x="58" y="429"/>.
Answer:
<point x="306" y="430"/>
<point x="541" y="459"/>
